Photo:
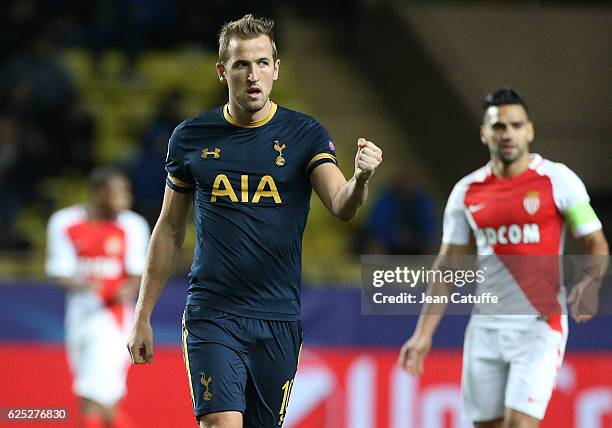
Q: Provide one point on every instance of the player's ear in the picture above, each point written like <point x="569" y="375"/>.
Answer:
<point x="221" y="72"/>
<point x="530" y="131"/>
<point x="483" y="140"/>
<point x="276" y="69"/>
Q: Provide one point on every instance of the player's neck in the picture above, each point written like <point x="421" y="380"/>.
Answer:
<point x="247" y="117"/>
<point x="99" y="214"/>
<point x="508" y="170"/>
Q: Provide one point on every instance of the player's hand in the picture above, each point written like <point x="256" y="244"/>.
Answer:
<point x="413" y="352"/>
<point x="583" y="300"/>
<point x="140" y="343"/>
<point x="367" y="159"/>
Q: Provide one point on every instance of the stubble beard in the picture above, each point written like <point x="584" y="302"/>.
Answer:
<point x="509" y="159"/>
<point x="255" y="106"/>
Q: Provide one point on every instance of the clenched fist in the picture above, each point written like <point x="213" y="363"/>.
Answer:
<point x="368" y="157"/>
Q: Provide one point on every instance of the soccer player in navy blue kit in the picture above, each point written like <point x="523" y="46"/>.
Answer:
<point x="248" y="168"/>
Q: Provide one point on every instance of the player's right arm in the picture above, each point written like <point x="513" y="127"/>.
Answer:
<point x="455" y="244"/>
<point x="413" y="352"/>
<point x="61" y="263"/>
<point x="166" y="240"/>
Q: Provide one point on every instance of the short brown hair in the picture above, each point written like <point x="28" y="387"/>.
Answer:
<point x="247" y="27"/>
<point x="102" y="175"/>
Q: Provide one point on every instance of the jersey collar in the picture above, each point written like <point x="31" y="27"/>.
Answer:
<point x="534" y="163"/>
<point x="256" y="124"/>
<point x="536" y="160"/>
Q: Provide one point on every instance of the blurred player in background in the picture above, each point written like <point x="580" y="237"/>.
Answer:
<point x="248" y="168"/>
<point x="96" y="252"/>
<point x="516" y="205"/>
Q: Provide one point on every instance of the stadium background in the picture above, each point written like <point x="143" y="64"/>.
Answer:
<point x="103" y="82"/>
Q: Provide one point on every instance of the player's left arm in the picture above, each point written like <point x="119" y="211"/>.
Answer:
<point x="573" y="202"/>
<point x="341" y="197"/>
<point x="129" y="290"/>
<point x="583" y="299"/>
<point x="138" y="235"/>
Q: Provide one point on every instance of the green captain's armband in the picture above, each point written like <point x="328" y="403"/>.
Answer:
<point x="582" y="218"/>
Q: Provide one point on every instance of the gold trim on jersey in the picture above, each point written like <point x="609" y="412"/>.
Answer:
<point x="179" y="183"/>
<point x="320" y="156"/>
<point x="256" y="124"/>
<point x="186" y="359"/>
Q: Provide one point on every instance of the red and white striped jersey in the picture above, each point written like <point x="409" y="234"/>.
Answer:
<point x="105" y="252"/>
<point x="510" y="218"/>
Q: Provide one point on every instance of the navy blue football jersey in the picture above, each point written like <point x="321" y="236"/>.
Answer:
<point x="251" y="190"/>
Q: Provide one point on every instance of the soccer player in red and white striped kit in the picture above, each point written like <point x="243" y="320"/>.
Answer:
<point x="96" y="252"/>
<point x="515" y="209"/>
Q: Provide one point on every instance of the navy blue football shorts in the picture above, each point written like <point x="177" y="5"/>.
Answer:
<point x="236" y="363"/>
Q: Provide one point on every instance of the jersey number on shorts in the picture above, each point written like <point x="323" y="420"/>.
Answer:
<point x="286" y="393"/>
